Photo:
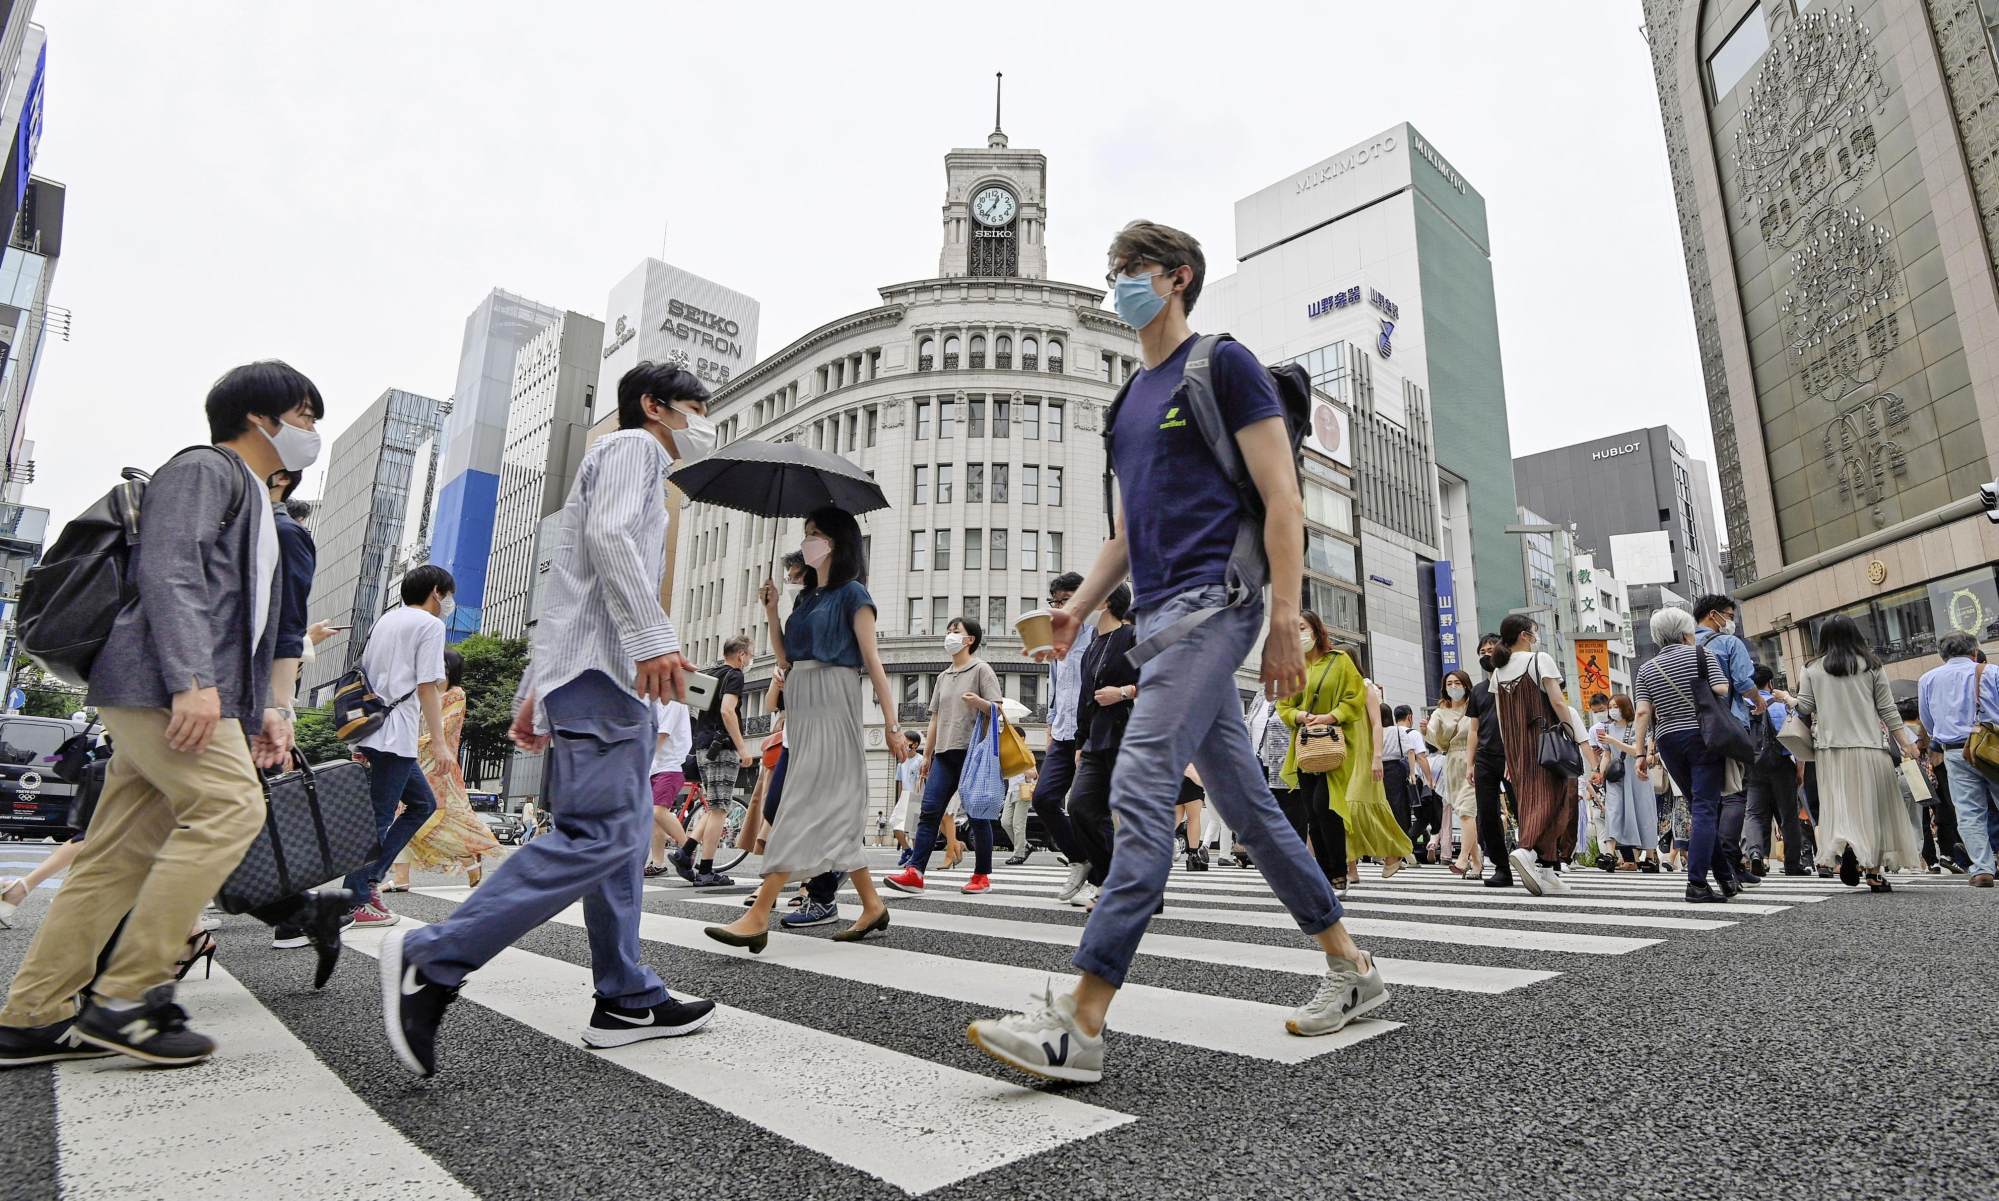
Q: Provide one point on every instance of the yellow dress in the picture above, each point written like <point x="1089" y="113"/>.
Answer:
<point x="454" y="837"/>
<point x="1334" y="685"/>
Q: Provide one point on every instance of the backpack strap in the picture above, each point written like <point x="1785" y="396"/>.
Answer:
<point x="1110" y="493"/>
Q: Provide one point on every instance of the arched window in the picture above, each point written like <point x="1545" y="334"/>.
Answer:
<point x="1003" y="352"/>
<point x="951" y="347"/>
<point x="926" y="354"/>
<point x="1030" y="354"/>
<point x="1054" y="355"/>
<point x="978" y="351"/>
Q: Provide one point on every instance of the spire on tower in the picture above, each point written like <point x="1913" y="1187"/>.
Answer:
<point x="998" y="139"/>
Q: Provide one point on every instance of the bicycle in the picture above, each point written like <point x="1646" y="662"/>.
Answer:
<point x="734" y="814"/>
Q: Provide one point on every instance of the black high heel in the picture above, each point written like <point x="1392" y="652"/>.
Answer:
<point x="201" y="949"/>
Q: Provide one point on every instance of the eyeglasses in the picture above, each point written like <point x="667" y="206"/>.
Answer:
<point x="1135" y="271"/>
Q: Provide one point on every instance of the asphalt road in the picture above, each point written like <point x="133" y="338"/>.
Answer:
<point x="1611" y="1044"/>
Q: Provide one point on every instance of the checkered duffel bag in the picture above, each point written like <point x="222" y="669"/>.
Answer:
<point x="319" y="825"/>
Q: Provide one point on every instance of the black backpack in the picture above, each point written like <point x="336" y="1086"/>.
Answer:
<point x="1248" y="569"/>
<point x="70" y="601"/>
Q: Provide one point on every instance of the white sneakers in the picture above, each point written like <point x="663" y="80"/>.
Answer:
<point x="1044" y="1041"/>
<point x="1079" y="874"/>
<point x="1084" y="897"/>
<point x="1346" y="993"/>
<point x="1552" y="884"/>
<point x="1525" y="870"/>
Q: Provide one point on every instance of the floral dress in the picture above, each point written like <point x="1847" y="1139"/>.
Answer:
<point x="454" y="837"/>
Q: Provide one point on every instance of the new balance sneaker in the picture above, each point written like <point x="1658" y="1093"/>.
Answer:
<point x="1079" y="874"/>
<point x="682" y="862"/>
<point x="57" y="1041"/>
<point x="1346" y="993"/>
<point x="367" y="917"/>
<point x="412" y="1008"/>
<point x="615" y="1026"/>
<point x="978" y="883"/>
<point x="712" y="880"/>
<point x="1044" y="1041"/>
<point x="811" y="913"/>
<point x="154" y="1031"/>
<point x="906" y="880"/>
<point x="1526" y="870"/>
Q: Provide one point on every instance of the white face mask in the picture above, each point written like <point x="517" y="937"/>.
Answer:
<point x="1306" y="642"/>
<point x="696" y="441"/>
<point x="445" y="608"/>
<point x="297" y="448"/>
<point x="1457" y="692"/>
<point x="1728" y="627"/>
<point x="953" y="643"/>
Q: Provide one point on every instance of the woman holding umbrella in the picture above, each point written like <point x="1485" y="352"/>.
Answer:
<point x="829" y="637"/>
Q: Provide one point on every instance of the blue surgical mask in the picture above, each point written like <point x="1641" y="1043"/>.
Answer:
<point x="1135" y="301"/>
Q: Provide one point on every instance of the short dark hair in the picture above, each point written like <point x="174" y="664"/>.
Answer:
<point x="1713" y="602"/>
<point x="422" y="581"/>
<point x="664" y="382"/>
<point x="454" y="668"/>
<point x="1599" y="698"/>
<point x="972" y="628"/>
<point x="848" y="560"/>
<point x="1402" y="711"/>
<point x="1485" y="638"/>
<point x="1956" y="646"/>
<point x="915" y="738"/>
<point x="1068" y="581"/>
<point x="792" y="559"/>
<point x="1908" y="708"/>
<point x="1150" y="242"/>
<point x="267" y="388"/>
<point x="1119" y="602"/>
<point x="300" y="510"/>
<point x="1762" y="674"/>
<point x="1387" y="714"/>
<point x="735" y="644"/>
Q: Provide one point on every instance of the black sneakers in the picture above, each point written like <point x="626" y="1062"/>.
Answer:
<point x="614" y="1026"/>
<point x="155" y="1031"/>
<point x="57" y="1041"/>
<point x="412" y="1007"/>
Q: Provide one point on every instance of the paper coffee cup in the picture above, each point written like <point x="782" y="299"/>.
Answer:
<point x="1037" y="633"/>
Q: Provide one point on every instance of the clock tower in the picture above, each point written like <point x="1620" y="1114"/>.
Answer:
<point x="994" y="210"/>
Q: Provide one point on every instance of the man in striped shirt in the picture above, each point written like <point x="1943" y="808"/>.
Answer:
<point x="603" y="649"/>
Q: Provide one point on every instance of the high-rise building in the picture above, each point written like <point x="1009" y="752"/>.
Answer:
<point x="370" y="516"/>
<point x="474" y="444"/>
<point x="1635" y="482"/>
<point x="1839" y="213"/>
<point x="1372" y="267"/>
<point x="976" y="400"/>
<point x="555" y="382"/>
<point x="31" y="216"/>
<point x="662" y="314"/>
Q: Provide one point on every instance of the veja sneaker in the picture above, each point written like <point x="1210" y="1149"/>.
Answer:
<point x="1346" y="993"/>
<point x="1079" y="875"/>
<point x="615" y="1026"/>
<point x="978" y="883"/>
<point x="906" y="880"/>
<point x="1044" y="1041"/>
<point x="1526" y="870"/>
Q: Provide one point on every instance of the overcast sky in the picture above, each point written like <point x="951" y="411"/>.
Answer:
<point x="338" y="185"/>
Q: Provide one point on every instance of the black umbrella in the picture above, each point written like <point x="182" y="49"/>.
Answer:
<point x="778" y="479"/>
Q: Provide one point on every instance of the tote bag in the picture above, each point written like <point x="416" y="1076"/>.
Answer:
<point x="981" y="787"/>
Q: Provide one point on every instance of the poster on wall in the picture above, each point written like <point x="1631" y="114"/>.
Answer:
<point x="1592" y="667"/>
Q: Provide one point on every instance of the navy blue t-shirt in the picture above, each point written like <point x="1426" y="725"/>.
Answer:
<point x="821" y="626"/>
<point x="1180" y="511"/>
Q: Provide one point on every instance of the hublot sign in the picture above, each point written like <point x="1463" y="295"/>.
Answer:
<point x="1612" y="452"/>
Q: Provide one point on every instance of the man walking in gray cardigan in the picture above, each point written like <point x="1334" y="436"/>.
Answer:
<point x="183" y="688"/>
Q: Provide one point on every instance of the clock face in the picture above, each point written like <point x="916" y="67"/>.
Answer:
<point x="993" y="206"/>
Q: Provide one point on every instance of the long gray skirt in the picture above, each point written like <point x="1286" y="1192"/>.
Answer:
<point x="822" y="813"/>
<point x="1631" y="810"/>
<point x="1861" y="806"/>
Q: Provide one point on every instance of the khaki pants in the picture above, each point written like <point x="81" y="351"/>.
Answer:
<point x="168" y="830"/>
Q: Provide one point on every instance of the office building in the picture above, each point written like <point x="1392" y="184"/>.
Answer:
<point x="1372" y="267"/>
<point x="1839" y="212"/>
<point x="372" y="515"/>
<point x="976" y="400"/>
<point x="1574" y="602"/>
<point x="548" y="417"/>
<point x="475" y="443"/>
<point x="1630" y="483"/>
<point x="31" y="214"/>
<point x="662" y="314"/>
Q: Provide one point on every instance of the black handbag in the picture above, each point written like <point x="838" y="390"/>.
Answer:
<point x="1557" y="750"/>
<point x="319" y="825"/>
<point x="1724" y="735"/>
<point x="1769" y="752"/>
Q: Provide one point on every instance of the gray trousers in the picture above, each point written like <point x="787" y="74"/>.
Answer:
<point x="597" y="792"/>
<point x="1014" y="819"/>
<point x="1187" y="711"/>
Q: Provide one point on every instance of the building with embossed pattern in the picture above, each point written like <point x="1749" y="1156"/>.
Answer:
<point x="1837" y="175"/>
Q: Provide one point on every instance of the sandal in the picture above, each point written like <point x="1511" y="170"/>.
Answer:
<point x="8" y="888"/>
<point x="200" y="948"/>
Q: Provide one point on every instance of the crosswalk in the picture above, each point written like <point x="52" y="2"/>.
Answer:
<point x="1202" y="990"/>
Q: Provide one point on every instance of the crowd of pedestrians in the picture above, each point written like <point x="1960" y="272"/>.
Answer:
<point x="1706" y="766"/>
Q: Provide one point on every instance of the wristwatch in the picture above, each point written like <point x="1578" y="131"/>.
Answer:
<point x="1129" y="692"/>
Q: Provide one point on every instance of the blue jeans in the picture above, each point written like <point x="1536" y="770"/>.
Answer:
<point x="392" y="780"/>
<point x="1697" y="772"/>
<point x="938" y="789"/>
<point x="1976" y="800"/>
<point x="1187" y="711"/>
<point x="599" y="797"/>
<point x="1058" y="772"/>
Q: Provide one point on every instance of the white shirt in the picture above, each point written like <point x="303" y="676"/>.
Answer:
<point x="603" y="612"/>
<point x="405" y="649"/>
<point x="267" y="559"/>
<point x="672" y="721"/>
<point x="911" y="774"/>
